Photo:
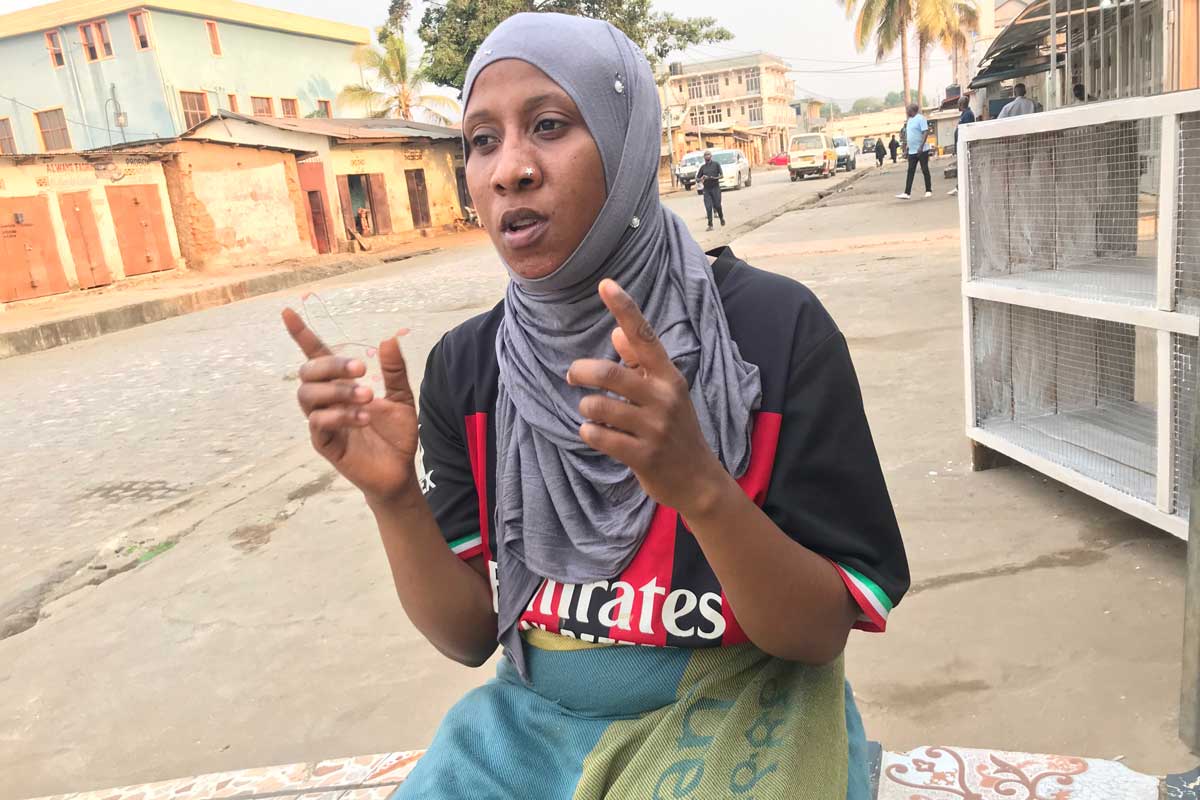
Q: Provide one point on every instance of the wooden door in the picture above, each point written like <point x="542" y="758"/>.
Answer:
<point x="316" y="216"/>
<point x="141" y="229"/>
<point x="343" y="182"/>
<point x="381" y="213"/>
<point x="30" y="265"/>
<point x="418" y="197"/>
<point x="79" y="220"/>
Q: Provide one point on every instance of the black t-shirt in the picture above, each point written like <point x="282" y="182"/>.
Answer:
<point x="709" y="173"/>
<point x="813" y="470"/>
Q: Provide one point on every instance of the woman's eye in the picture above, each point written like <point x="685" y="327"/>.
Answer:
<point x="482" y="140"/>
<point x="548" y="125"/>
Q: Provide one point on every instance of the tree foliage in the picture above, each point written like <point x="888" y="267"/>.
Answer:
<point x="397" y="18"/>
<point x="866" y="105"/>
<point x="452" y="31"/>
<point x="399" y="86"/>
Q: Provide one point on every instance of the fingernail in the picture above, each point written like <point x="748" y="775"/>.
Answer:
<point x="362" y="393"/>
<point x="353" y="364"/>
<point x="361" y="416"/>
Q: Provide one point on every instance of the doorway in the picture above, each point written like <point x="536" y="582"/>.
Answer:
<point x="418" y="197"/>
<point x="360" y="204"/>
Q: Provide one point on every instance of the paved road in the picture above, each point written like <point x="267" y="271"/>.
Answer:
<point x="105" y="432"/>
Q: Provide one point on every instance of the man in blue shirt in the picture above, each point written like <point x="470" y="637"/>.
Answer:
<point x="916" y="130"/>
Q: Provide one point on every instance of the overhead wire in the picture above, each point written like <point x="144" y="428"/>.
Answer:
<point x="35" y="109"/>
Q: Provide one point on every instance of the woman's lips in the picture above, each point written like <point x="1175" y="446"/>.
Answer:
<point x="527" y="234"/>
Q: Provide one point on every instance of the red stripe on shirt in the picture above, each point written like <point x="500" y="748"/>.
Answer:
<point x="477" y="451"/>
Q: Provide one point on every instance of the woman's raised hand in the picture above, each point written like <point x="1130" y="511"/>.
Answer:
<point x="372" y="441"/>
<point x="654" y="430"/>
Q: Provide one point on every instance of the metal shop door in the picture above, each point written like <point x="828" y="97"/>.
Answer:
<point x="141" y="230"/>
<point x="418" y="197"/>
<point x="30" y="265"/>
<point x="79" y="220"/>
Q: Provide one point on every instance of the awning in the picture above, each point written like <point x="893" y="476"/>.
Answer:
<point x="1022" y="48"/>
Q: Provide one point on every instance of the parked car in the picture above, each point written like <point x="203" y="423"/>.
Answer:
<point x="847" y="153"/>
<point x="735" y="169"/>
<point x="810" y="154"/>
<point x="780" y="160"/>
<point x="685" y="170"/>
<point x="868" y="146"/>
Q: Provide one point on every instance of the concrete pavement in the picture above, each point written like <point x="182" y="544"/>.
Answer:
<point x="259" y="625"/>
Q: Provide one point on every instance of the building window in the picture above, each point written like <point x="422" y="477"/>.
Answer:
<point x="694" y="89"/>
<point x="214" y="37"/>
<point x="140" y="25"/>
<point x="95" y="40"/>
<point x="714" y="115"/>
<point x="325" y="109"/>
<point x="233" y="103"/>
<point x="752" y="80"/>
<point x="195" y="108"/>
<point x="8" y="145"/>
<point x="54" y="45"/>
<point x="756" y="112"/>
<point x="53" y="126"/>
<point x="288" y="108"/>
<point x="727" y="79"/>
<point x="695" y="116"/>
<point x="712" y="85"/>
<point x="262" y="106"/>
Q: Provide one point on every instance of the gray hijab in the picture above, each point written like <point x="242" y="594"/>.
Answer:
<point x="563" y="510"/>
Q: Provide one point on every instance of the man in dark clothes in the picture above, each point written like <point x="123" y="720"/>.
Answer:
<point x="965" y="118"/>
<point x="709" y="178"/>
<point x="894" y="146"/>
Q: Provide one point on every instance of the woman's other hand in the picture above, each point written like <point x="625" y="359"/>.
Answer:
<point x="372" y="441"/>
<point x="654" y="430"/>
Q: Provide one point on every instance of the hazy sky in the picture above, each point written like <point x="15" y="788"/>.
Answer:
<point x="813" y="35"/>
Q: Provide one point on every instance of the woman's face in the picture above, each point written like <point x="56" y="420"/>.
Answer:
<point x="534" y="171"/>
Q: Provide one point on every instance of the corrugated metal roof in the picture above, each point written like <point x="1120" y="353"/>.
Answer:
<point x="347" y="129"/>
<point x="64" y="12"/>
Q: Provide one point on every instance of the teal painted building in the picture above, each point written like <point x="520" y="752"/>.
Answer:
<point x="81" y="74"/>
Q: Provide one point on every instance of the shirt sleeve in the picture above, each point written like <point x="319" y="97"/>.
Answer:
<point x="444" y="461"/>
<point x="827" y="490"/>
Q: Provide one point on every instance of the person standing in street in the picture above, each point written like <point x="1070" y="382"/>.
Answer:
<point x="881" y="153"/>
<point x="916" y="131"/>
<point x="709" y="178"/>
<point x="894" y="146"/>
<point x="966" y="117"/>
<point x="1019" y="105"/>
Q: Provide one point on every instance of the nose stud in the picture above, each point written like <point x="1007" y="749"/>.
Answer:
<point x="528" y="172"/>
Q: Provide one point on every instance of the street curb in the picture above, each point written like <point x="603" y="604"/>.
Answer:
<point x="48" y="335"/>
<point x="787" y="208"/>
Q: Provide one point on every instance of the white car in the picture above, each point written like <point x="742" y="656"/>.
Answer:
<point x="735" y="169"/>
<point x="685" y="170"/>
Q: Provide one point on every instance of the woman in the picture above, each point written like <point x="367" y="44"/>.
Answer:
<point x="880" y="152"/>
<point x="628" y="448"/>
<point x="894" y="147"/>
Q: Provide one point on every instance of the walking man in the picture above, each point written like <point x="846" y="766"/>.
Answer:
<point x="966" y="117"/>
<point x="916" y="131"/>
<point x="894" y="146"/>
<point x="1019" y="105"/>
<point x="709" y="178"/>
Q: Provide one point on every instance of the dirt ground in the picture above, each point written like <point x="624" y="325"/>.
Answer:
<point x="1039" y="619"/>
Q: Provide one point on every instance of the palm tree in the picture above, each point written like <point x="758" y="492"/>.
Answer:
<point x="948" y="23"/>
<point x="401" y="93"/>
<point x="887" y="22"/>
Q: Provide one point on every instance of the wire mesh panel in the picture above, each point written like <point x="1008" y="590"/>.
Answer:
<point x="1071" y="212"/>
<point x="1187" y="248"/>
<point x="1079" y="392"/>
<point x="1185" y="350"/>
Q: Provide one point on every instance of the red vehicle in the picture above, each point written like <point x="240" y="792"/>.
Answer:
<point x="780" y="160"/>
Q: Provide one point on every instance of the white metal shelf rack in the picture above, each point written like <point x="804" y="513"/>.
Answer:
<point x="1081" y="296"/>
